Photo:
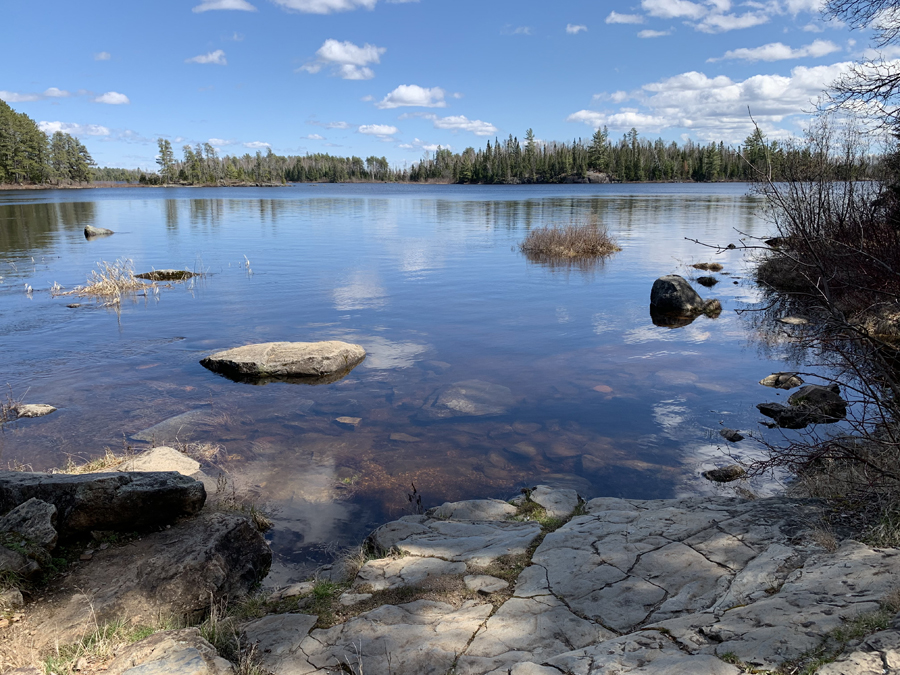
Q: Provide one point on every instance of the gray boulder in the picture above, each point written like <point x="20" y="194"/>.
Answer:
<point x="310" y="362"/>
<point x="785" y="417"/>
<point x="106" y="501"/>
<point x="35" y="520"/>
<point x="672" y="294"/>
<point x="782" y="380"/>
<point x="170" y="652"/>
<point x="725" y="474"/>
<point x="471" y="398"/>
<point x="33" y="409"/>
<point x="731" y="435"/>
<point x="16" y="562"/>
<point x="90" y="231"/>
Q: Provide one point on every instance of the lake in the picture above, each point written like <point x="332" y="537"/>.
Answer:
<point x="589" y="392"/>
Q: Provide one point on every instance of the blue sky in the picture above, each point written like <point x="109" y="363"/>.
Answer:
<point x="396" y="79"/>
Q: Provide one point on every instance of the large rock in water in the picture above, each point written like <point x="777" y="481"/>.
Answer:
<point x="672" y="294"/>
<point x="824" y="404"/>
<point x="106" y="501"/>
<point x="308" y="362"/>
<point x="90" y="231"/>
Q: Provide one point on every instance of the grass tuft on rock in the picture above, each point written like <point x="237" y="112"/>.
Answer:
<point x="572" y="242"/>
<point x="110" y="281"/>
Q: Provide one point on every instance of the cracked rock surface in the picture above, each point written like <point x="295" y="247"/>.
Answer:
<point x="664" y="587"/>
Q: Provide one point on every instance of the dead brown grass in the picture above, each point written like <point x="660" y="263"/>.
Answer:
<point x="569" y="242"/>
<point x="110" y="281"/>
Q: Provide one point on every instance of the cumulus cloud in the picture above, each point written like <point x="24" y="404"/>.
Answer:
<point x="216" y="58"/>
<point x="715" y="108"/>
<point x="462" y="123"/>
<point x="102" y="56"/>
<point x="573" y="29"/>
<point x="413" y="95"/>
<point x="615" y="17"/>
<point x="324" y="6"/>
<point x="53" y="92"/>
<point x="716" y="16"/>
<point x="221" y="142"/>
<point x="776" y="51"/>
<point x="112" y="98"/>
<point x="208" y="5"/>
<point x="24" y="97"/>
<point x="674" y="9"/>
<point x="314" y="137"/>
<point x="379" y="130"/>
<point x="644" y="34"/>
<point x="74" y="129"/>
<point x="347" y="60"/>
<point x="256" y="145"/>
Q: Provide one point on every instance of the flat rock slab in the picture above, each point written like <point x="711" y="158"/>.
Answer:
<point x="476" y="542"/>
<point x="484" y="583"/>
<point x="474" y="509"/>
<point x="277" y="637"/>
<point x="33" y="410"/>
<point x="161" y="458"/>
<point x="408" y="571"/>
<point x="421" y="638"/>
<point x="305" y="362"/>
<point x="106" y="501"/>
<point x="178" y="572"/>
<point x="173" y="652"/>
<point x="471" y="398"/>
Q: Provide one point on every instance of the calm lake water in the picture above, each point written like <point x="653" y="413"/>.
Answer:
<point x="430" y="281"/>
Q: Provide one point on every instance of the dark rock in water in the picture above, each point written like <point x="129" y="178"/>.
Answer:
<point x="708" y="267"/>
<point x="784" y="416"/>
<point x="74" y="305"/>
<point x="106" y="501"/>
<point x="90" y="232"/>
<point x="472" y="398"/>
<point x="166" y="275"/>
<point x="301" y="362"/>
<point x="673" y="295"/>
<point x="824" y="404"/>
<point x="35" y="520"/>
<point x="725" y="474"/>
<point x="709" y="282"/>
<point x="782" y="380"/>
<point x="731" y="435"/>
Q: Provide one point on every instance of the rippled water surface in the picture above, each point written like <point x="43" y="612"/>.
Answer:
<point x="430" y="281"/>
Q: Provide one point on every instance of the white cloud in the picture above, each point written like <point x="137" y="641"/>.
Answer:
<point x="644" y="34"/>
<point x="715" y="108"/>
<point x="324" y="6"/>
<point x="776" y="51"/>
<point x="721" y="23"/>
<point x="413" y="95"/>
<point x="573" y="29"/>
<point x="314" y="137"/>
<point x="462" y="123"/>
<point x="102" y="56"/>
<point x="256" y="145"/>
<point x="220" y="142"/>
<point x="380" y="130"/>
<point x="208" y="5"/>
<point x="518" y="30"/>
<point x="615" y="17"/>
<point x="13" y="97"/>
<point x="216" y="58"/>
<point x="112" y="98"/>
<point x="674" y="9"/>
<point x="74" y="129"/>
<point x="346" y="59"/>
<point x="53" y="92"/>
<point x="337" y="125"/>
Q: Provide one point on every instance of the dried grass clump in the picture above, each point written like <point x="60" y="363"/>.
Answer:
<point x="569" y="242"/>
<point x="110" y="281"/>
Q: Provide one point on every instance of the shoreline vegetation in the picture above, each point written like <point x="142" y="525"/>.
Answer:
<point x="29" y="159"/>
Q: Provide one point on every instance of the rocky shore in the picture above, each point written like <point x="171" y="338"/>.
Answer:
<point x="540" y="585"/>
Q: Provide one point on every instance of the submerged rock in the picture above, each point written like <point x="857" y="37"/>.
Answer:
<point x="709" y="282"/>
<point x="731" y="435"/>
<point x="306" y="362"/>
<point x="708" y="267"/>
<point x="179" y="427"/>
<point x="782" y="380"/>
<point x="167" y="275"/>
<point x="471" y="398"/>
<point x="90" y="232"/>
<point x="813" y="404"/>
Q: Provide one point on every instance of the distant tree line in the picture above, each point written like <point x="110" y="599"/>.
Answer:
<point x="28" y="155"/>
